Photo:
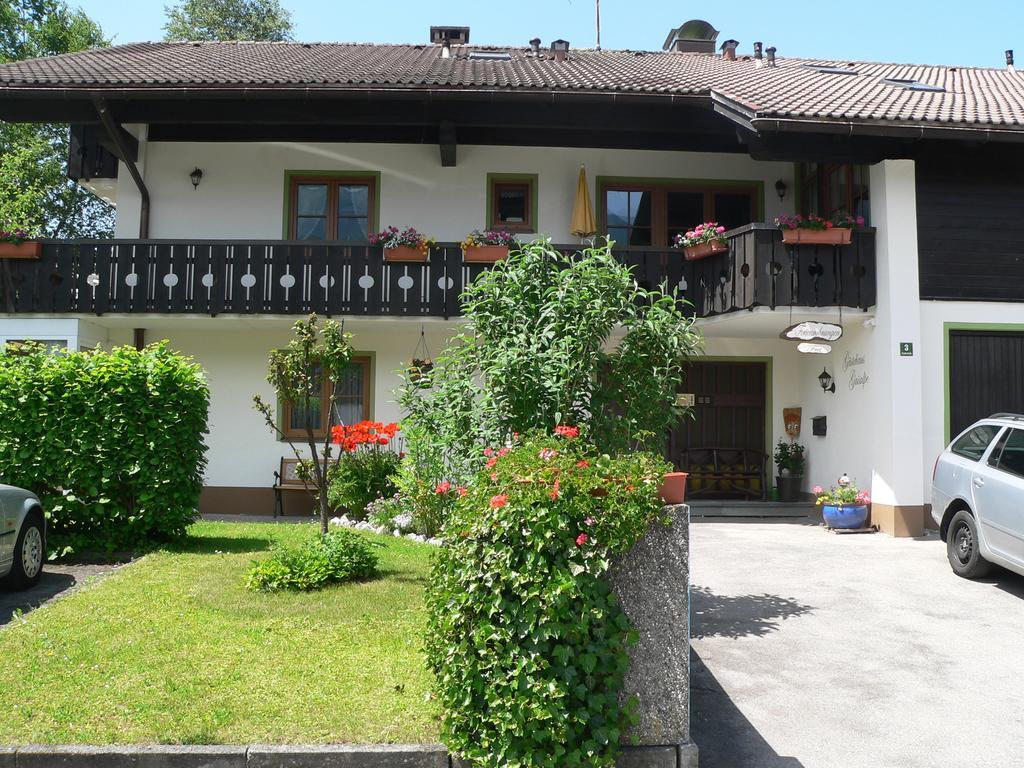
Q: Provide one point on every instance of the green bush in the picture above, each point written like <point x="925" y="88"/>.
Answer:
<point x="112" y="442"/>
<point x="329" y="558"/>
<point x="361" y="477"/>
<point x="526" y="641"/>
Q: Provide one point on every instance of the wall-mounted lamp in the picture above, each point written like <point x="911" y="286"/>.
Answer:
<point x="827" y="385"/>
<point x="196" y="176"/>
<point x="781" y="188"/>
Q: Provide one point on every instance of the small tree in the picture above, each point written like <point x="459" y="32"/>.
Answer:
<point x="318" y="353"/>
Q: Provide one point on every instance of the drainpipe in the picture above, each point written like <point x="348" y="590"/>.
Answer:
<point x="114" y="131"/>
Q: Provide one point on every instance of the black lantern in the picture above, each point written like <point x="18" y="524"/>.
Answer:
<point x="196" y="176"/>
<point x="827" y="385"/>
<point x="780" y="188"/>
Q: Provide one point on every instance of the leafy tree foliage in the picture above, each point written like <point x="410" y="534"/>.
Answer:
<point x="228" y="20"/>
<point x="35" y="193"/>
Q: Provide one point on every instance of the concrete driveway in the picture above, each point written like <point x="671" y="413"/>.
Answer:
<point x="825" y="651"/>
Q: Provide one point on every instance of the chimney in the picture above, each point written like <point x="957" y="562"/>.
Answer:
<point x="758" y="55"/>
<point x="770" y="57"/>
<point x="1009" y="59"/>
<point x="449" y="35"/>
<point x="729" y="50"/>
<point x="560" y="50"/>
<point x="695" y="36"/>
<point x="535" y="46"/>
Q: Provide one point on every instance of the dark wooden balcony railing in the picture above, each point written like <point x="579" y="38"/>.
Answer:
<point x="214" y="277"/>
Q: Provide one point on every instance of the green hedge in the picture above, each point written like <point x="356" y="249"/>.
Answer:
<point x="112" y="442"/>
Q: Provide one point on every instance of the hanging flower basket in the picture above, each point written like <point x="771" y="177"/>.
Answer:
<point x="404" y="253"/>
<point x="20" y="249"/>
<point x="703" y="250"/>
<point x="419" y="370"/>
<point x="834" y="236"/>
<point x="484" y="254"/>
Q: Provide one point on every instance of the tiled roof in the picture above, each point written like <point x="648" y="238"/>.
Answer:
<point x="794" y="89"/>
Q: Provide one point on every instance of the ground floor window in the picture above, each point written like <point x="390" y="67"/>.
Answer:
<point x="653" y="211"/>
<point x="351" y="403"/>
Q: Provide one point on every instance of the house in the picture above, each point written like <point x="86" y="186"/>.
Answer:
<point x="247" y="176"/>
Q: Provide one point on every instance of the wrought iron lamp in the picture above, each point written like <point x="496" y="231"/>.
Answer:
<point x="781" y="187"/>
<point x="825" y="379"/>
<point x="196" y="176"/>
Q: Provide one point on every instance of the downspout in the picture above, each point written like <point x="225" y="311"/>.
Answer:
<point x="114" y="131"/>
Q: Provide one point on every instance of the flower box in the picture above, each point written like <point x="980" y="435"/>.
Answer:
<point x="484" y="254"/>
<point x="406" y="253"/>
<point x="803" y="236"/>
<point x="703" y="250"/>
<point x="27" y="249"/>
<point x="673" y="488"/>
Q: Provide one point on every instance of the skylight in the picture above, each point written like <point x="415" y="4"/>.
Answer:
<point x="491" y="55"/>
<point x="832" y="70"/>
<point x="913" y="85"/>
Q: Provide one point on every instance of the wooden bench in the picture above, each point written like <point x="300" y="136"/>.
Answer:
<point x="725" y="473"/>
<point x="287" y="479"/>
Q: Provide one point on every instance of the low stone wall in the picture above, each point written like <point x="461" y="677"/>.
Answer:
<point x="653" y="584"/>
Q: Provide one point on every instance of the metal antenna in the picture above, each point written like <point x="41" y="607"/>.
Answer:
<point x="597" y="4"/>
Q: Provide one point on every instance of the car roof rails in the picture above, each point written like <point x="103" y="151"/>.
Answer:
<point x="1013" y="416"/>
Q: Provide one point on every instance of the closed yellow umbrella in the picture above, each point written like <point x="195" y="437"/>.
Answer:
<point x="582" y="211"/>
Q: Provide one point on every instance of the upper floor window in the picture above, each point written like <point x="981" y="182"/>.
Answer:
<point x="512" y="202"/>
<point x="654" y="212"/>
<point x="332" y="207"/>
<point x="831" y="189"/>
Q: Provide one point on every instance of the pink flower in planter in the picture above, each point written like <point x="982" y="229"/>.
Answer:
<point x="492" y="461"/>
<point x="503" y="451"/>
<point x="488" y="451"/>
<point x="817" y="490"/>
<point x="461" y="490"/>
<point x="589" y="521"/>
<point x="547" y="454"/>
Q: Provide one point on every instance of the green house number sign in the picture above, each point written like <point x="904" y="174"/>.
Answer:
<point x="906" y="349"/>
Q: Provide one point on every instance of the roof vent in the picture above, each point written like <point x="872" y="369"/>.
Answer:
<point x="695" y="36"/>
<point x="560" y="50"/>
<point x="535" y="46"/>
<point x="1009" y="60"/>
<point x="769" y="56"/>
<point x="449" y="35"/>
<point x="729" y="49"/>
<point x="490" y="55"/>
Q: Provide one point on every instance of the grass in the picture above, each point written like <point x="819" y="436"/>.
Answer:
<point x="173" y="649"/>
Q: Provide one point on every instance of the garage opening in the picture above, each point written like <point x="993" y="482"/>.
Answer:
<point x="986" y="376"/>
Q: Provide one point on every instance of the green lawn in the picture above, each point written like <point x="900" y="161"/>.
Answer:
<point x="173" y="649"/>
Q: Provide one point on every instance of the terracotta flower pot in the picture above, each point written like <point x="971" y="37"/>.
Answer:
<point x="673" y="488"/>
<point x="703" y="250"/>
<point x="834" y="236"/>
<point x="484" y="254"/>
<point x="406" y="253"/>
<point x="29" y="249"/>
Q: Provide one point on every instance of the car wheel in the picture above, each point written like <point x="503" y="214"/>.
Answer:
<point x="962" y="547"/>
<point x="29" y="553"/>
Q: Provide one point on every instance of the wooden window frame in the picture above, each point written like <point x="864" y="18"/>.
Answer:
<point x="333" y="180"/>
<point x="366" y="361"/>
<point x="660" y="188"/>
<point x="818" y="178"/>
<point x="495" y="181"/>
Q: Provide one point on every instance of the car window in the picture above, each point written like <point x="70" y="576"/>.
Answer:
<point x="993" y="457"/>
<point x="1012" y="458"/>
<point x="972" y="445"/>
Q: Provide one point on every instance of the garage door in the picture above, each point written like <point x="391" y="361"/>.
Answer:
<point x="986" y="376"/>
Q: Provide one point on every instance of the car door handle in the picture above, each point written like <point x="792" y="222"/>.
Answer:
<point x="978" y="482"/>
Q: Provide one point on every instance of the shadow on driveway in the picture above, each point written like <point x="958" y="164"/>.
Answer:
<point x="739" y="615"/>
<point x="725" y="738"/>
<point x="56" y="579"/>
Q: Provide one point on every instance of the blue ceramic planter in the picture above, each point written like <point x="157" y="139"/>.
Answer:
<point x="847" y="516"/>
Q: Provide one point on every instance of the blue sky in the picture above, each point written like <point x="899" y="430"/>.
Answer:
<point x="878" y="30"/>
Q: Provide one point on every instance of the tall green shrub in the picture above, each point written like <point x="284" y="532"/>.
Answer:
<point x="112" y="442"/>
<point x="527" y="642"/>
<point x="549" y="339"/>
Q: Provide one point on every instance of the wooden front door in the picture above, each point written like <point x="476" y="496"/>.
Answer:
<point x="728" y="411"/>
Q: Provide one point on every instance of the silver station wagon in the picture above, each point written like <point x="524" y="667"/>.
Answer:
<point x="978" y="496"/>
<point x="22" y="537"/>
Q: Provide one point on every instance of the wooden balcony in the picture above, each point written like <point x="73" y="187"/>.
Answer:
<point x="213" y="277"/>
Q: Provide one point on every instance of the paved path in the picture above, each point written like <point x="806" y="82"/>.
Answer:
<point x="55" y="581"/>
<point x="815" y="650"/>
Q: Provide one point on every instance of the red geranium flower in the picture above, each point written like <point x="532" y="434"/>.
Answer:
<point x="582" y="539"/>
<point x="443" y="487"/>
<point x="499" y="501"/>
<point x="564" y="430"/>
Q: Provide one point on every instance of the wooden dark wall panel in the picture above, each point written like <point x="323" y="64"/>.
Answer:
<point x="970" y="220"/>
<point x="986" y="376"/>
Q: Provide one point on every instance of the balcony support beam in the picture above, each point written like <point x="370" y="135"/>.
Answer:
<point x="448" y="144"/>
<point x="128" y="155"/>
